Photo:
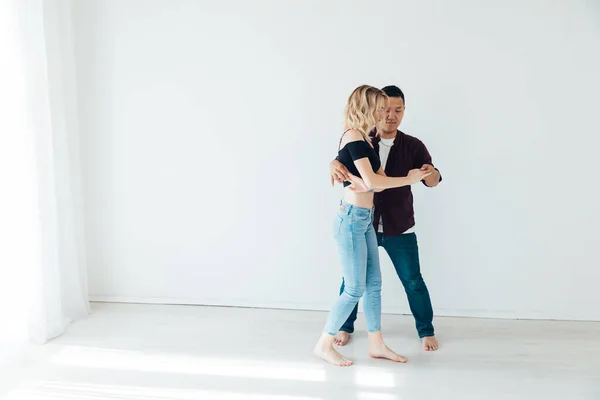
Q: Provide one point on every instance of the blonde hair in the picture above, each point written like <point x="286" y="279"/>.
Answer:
<point x="361" y="107"/>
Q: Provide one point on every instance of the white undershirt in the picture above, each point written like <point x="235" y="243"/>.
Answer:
<point x="384" y="151"/>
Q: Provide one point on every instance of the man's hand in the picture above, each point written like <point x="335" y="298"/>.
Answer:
<point x="357" y="185"/>
<point x="339" y="172"/>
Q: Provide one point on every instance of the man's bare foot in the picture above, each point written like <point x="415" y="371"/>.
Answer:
<point x="325" y="351"/>
<point x="341" y="339"/>
<point x="430" y="343"/>
<point x="378" y="349"/>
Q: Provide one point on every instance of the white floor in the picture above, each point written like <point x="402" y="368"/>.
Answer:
<point x="127" y="352"/>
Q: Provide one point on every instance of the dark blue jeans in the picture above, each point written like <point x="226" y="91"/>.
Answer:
<point x="404" y="252"/>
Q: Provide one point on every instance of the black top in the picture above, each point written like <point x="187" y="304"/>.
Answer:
<point x="353" y="151"/>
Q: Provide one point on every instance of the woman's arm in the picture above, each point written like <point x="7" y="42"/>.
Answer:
<point x="380" y="181"/>
<point x="382" y="173"/>
<point x="355" y="140"/>
<point x="357" y="185"/>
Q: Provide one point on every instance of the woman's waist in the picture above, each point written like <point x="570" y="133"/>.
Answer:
<point x="359" y="200"/>
<point x="360" y="209"/>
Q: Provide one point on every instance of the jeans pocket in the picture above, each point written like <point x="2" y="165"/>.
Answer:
<point x="362" y="220"/>
<point x="337" y="224"/>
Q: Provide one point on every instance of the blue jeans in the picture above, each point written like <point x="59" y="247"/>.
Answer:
<point x="357" y="246"/>
<point x="404" y="252"/>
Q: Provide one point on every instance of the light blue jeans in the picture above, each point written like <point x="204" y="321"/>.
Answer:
<point x="359" y="255"/>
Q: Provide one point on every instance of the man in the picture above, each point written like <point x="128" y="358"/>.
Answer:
<point x="394" y="215"/>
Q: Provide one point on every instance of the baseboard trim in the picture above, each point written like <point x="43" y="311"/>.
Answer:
<point x="473" y="313"/>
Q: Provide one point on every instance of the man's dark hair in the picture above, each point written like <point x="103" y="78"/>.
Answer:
<point x="394" y="91"/>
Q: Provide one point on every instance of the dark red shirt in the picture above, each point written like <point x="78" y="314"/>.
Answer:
<point x="395" y="206"/>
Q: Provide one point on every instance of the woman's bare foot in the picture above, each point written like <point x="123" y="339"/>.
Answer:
<point x="430" y="343"/>
<point x="325" y="351"/>
<point x="341" y="339"/>
<point x="378" y="349"/>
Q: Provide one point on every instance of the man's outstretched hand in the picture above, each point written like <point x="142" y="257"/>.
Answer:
<point x="339" y="172"/>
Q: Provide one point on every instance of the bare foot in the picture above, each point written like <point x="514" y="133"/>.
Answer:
<point x="325" y="351"/>
<point x="341" y="339"/>
<point x="430" y="343"/>
<point x="378" y="349"/>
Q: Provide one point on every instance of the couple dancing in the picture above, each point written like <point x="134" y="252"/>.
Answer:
<point x="373" y="155"/>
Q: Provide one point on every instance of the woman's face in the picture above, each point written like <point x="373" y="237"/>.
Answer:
<point x="379" y="112"/>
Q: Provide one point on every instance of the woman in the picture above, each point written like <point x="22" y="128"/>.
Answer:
<point x="353" y="226"/>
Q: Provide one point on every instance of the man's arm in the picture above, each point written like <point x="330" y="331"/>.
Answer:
<point x="434" y="179"/>
<point x="423" y="161"/>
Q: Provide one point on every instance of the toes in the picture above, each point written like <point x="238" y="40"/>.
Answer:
<point x="429" y="345"/>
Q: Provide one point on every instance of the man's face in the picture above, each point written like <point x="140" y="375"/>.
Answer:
<point x="392" y="117"/>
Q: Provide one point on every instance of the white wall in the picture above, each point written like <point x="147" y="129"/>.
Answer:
<point x="207" y="128"/>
